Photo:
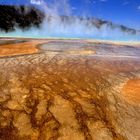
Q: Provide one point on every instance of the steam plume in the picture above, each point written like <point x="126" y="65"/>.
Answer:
<point x="59" y="22"/>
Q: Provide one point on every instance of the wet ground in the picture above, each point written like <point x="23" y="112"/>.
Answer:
<point x="69" y="90"/>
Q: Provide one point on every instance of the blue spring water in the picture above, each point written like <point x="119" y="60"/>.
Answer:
<point x="34" y="33"/>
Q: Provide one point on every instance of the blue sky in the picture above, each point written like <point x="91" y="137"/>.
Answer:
<point x="125" y="12"/>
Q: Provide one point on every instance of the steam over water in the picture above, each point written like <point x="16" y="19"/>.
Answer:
<point x="54" y="26"/>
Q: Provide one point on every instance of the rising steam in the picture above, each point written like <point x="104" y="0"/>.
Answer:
<point x="60" y="23"/>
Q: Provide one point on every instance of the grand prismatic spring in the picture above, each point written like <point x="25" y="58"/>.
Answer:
<point x="65" y="77"/>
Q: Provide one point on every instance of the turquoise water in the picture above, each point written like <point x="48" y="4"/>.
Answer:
<point x="69" y="33"/>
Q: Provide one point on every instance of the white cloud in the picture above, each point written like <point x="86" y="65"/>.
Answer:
<point x="37" y="2"/>
<point x="73" y="8"/>
<point x="126" y="3"/>
<point x="138" y="7"/>
<point x="91" y="1"/>
<point x="103" y="0"/>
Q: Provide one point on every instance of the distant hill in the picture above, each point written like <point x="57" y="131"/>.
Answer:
<point x="24" y="17"/>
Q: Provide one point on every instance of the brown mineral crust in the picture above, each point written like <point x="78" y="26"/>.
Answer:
<point x="61" y="96"/>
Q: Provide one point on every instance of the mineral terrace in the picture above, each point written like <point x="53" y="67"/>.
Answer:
<point x="69" y="90"/>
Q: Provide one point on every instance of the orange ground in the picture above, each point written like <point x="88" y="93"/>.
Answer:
<point x="131" y="91"/>
<point x="20" y="48"/>
<point x="69" y="94"/>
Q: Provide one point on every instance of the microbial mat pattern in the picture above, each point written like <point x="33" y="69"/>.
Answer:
<point x="69" y="90"/>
